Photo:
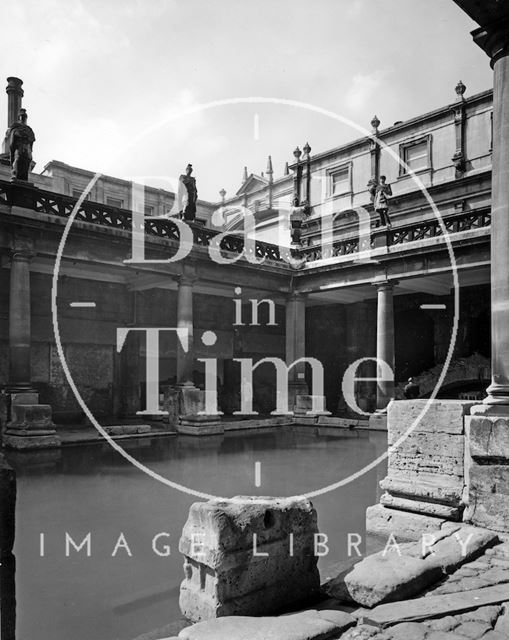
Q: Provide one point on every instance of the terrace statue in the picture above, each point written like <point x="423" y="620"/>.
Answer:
<point x="298" y="214"/>
<point x="380" y="193"/>
<point x="20" y="138"/>
<point x="187" y="195"/>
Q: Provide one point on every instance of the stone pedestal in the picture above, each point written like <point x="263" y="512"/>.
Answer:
<point x="240" y="558"/>
<point x="191" y="419"/>
<point x="304" y="406"/>
<point x="488" y="472"/>
<point x="31" y="425"/>
<point x="426" y="470"/>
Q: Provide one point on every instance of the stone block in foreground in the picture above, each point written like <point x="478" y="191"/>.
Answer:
<point x="401" y="571"/>
<point x="426" y="467"/>
<point x="248" y="556"/>
<point x="306" y="625"/>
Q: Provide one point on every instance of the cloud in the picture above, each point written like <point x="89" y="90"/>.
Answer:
<point x="362" y="88"/>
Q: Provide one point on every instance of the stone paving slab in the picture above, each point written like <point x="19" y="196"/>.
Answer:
<point x="403" y="570"/>
<point x="307" y="625"/>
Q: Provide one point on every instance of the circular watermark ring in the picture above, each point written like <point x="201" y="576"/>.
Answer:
<point x="254" y="100"/>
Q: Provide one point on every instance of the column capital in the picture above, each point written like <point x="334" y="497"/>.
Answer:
<point x="385" y="285"/>
<point x="493" y="39"/>
<point x="296" y="295"/>
<point x="185" y="279"/>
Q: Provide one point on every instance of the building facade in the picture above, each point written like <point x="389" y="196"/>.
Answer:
<point x="416" y="294"/>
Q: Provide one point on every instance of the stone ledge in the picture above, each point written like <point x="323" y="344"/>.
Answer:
<point x="384" y="521"/>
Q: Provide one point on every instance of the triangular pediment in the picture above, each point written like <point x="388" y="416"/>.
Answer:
<point x="253" y="183"/>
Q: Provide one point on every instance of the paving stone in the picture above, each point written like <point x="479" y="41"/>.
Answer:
<point x="495" y="575"/>
<point x="401" y="572"/>
<point x="444" y="635"/>
<point x="306" y="625"/>
<point x="473" y="629"/>
<point x="478" y="564"/>
<point x="486" y="614"/>
<point x="361" y="632"/>
<point x="443" y="624"/>
<point x="494" y="635"/>
<point x="502" y="550"/>
<point x="468" y="584"/>
<point x="499" y="562"/>
<point x="502" y="624"/>
<point x="407" y="630"/>
<point x="466" y="572"/>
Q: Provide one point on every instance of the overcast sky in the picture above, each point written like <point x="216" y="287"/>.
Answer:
<point x="98" y="73"/>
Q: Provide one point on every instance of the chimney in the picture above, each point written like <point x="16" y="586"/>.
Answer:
<point x="14" y="98"/>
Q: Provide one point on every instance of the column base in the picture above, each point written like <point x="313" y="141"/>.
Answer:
<point x="31" y="440"/>
<point x="31" y="425"/>
<point x="303" y="406"/>
<point x="200" y="425"/>
<point x="488" y="474"/>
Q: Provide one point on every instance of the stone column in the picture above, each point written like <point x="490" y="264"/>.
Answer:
<point x="30" y="424"/>
<point x="296" y="345"/>
<point x="384" y="343"/>
<point x="19" y="322"/>
<point x="185" y="359"/>
<point x="496" y="43"/>
<point x="488" y="425"/>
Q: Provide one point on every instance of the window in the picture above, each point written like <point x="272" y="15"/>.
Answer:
<point x="340" y="182"/>
<point x="115" y="202"/>
<point x="76" y="193"/>
<point x="416" y="155"/>
<point x="149" y="210"/>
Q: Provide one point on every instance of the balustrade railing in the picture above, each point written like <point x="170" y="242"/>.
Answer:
<point x="61" y="205"/>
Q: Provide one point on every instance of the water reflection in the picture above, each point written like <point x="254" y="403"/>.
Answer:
<point x="91" y="490"/>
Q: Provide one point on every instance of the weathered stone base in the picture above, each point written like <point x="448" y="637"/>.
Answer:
<point x="488" y="475"/>
<point x="127" y="429"/>
<point x="383" y="521"/>
<point x="304" y="406"/>
<point x="31" y="440"/>
<point x="238" y="559"/>
<point x="31" y="425"/>
<point x="200" y="426"/>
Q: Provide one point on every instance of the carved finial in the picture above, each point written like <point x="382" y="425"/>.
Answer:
<point x="307" y="150"/>
<point x="460" y="89"/>
<point x="244" y="175"/>
<point x="375" y="123"/>
<point x="297" y="153"/>
<point x="287" y="169"/>
<point x="269" y="171"/>
<point x="222" y="193"/>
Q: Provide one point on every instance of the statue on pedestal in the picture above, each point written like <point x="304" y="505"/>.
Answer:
<point x="380" y="193"/>
<point x="20" y="138"/>
<point x="298" y="214"/>
<point x="187" y="195"/>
